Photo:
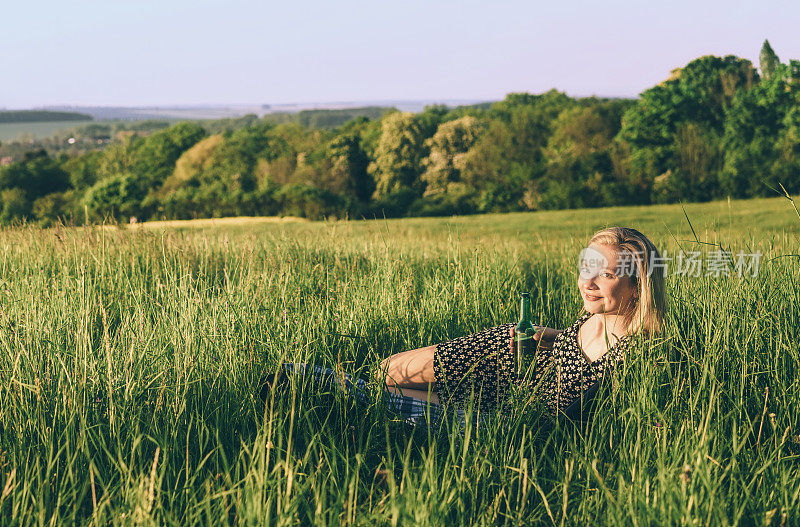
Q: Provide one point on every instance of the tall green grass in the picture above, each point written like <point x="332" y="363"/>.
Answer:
<point x="129" y="363"/>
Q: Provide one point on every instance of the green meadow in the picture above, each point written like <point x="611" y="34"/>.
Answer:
<point x="130" y="358"/>
<point x="35" y="130"/>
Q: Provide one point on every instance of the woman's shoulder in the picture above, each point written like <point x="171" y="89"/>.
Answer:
<point x="571" y="332"/>
<point x="582" y="317"/>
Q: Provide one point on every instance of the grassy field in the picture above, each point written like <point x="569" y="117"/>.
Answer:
<point x="38" y="130"/>
<point x="129" y="360"/>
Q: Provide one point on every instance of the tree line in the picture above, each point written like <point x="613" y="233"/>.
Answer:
<point x="35" y="116"/>
<point x="716" y="127"/>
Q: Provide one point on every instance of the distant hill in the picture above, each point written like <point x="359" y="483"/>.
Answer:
<point x="39" y="116"/>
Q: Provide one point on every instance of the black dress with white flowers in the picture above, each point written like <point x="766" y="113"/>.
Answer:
<point x="483" y="364"/>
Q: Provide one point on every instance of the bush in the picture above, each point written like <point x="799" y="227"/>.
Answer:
<point x="116" y="197"/>
<point x="49" y="209"/>
<point x="308" y="202"/>
<point x="392" y="205"/>
<point x="458" y="201"/>
<point x="16" y="206"/>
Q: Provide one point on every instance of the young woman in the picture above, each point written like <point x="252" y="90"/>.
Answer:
<point x="622" y="296"/>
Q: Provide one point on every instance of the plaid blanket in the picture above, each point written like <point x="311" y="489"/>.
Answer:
<point x="414" y="411"/>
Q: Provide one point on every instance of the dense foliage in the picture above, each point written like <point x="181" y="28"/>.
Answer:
<point x="715" y="128"/>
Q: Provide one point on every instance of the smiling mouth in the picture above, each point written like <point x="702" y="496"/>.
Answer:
<point x="591" y="298"/>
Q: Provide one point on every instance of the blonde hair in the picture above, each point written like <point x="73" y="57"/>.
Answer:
<point x="651" y="306"/>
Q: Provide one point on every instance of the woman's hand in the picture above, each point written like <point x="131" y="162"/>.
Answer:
<point x="545" y="337"/>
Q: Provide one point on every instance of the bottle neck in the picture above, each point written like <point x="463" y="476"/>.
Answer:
<point x="525" y="310"/>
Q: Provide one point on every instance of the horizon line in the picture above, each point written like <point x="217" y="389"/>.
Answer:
<point x="350" y="103"/>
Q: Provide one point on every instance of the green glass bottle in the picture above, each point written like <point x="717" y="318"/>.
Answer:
<point x="525" y="343"/>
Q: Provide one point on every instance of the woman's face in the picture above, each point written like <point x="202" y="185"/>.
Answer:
<point x="602" y="289"/>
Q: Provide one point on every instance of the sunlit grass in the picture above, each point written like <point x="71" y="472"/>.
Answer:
<point x="129" y="360"/>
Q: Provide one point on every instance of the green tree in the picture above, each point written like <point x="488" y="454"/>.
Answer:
<point x="16" y="206"/>
<point x="36" y="175"/>
<point x="397" y="158"/>
<point x="83" y="169"/>
<point x="118" y="158"/>
<point x="348" y="168"/>
<point x="697" y="160"/>
<point x="55" y="206"/>
<point x="116" y="197"/>
<point x="308" y="202"/>
<point x="787" y="147"/>
<point x="768" y="61"/>
<point x="754" y="126"/>
<point x="578" y="167"/>
<point x="583" y="131"/>
<point x="506" y="163"/>
<point x="700" y="93"/>
<point x="547" y="105"/>
<point x="192" y="162"/>
<point x="154" y="158"/>
<point x="447" y="154"/>
<point x="23" y="183"/>
<point x="221" y="177"/>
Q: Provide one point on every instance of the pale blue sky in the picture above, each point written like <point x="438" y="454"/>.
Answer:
<point x="167" y="52"/>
